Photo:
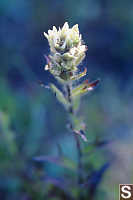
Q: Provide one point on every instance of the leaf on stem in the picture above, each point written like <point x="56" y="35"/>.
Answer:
<point x="61" y="161"/>
<point x="80" y="75"/>
<point x="81" y="133"/>
<point x="59" y="95"/>
<point x="95" y="178"/>
<point x="84" y="88"/>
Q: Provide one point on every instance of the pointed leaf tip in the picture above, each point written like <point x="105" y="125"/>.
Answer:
<point x="94" y="83"/>
<point x="46" y="35"/>
<point x="81" y="134"/>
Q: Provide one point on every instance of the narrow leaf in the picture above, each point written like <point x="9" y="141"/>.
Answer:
<point x="81" y="134"/>
<point x="84" y="88"/>
<point x="61" y="161"/>
<point x="80" y="75"/>
<point x="96" y="176"/>
<point x="59" y="95"/>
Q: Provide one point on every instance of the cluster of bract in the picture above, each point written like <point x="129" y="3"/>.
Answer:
<point x="66" y="51"/>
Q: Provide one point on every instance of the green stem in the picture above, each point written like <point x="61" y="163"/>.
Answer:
<point x="79" y="151"/>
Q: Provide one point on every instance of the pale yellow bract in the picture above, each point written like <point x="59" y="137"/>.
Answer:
<point x="66" y="50"/>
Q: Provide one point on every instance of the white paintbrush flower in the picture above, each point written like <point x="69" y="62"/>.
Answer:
<point x="66" y="51"/>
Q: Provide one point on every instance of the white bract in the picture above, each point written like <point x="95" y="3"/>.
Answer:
<point x="66" y="51"/>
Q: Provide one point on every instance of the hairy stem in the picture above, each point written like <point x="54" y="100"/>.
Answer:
<point x="79" y="151"/>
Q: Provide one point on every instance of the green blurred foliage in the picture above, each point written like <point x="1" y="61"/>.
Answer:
<point x="37" y="151"/>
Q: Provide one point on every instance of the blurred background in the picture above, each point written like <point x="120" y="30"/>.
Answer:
<point x="33" y="123"/>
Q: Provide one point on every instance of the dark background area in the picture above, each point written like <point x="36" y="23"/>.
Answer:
<point x="33" y="123"/>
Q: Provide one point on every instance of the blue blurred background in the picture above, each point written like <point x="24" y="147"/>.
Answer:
<point x="33" y="123"/>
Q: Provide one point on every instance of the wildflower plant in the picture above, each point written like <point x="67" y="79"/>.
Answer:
<point x="67" y="51"/>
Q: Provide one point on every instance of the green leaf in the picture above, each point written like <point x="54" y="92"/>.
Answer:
<point x="61" y="161"/>
<point x="84" y="88"/>
<point x="79" y="75"/>
<point x="59" y="95"/>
